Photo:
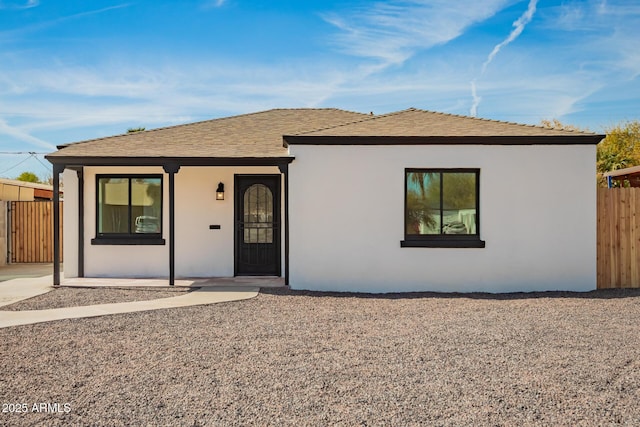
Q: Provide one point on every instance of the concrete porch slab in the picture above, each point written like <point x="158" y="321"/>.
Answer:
<point x="207" y="282"/>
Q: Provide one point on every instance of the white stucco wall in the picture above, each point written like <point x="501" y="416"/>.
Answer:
<point x="537" y="216"/>
<point x="200" y="252"/>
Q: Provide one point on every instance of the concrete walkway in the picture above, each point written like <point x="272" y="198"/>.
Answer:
<point x="15" y="271"/>
<point x="15" y="290"/>
<point x="18" y="289"/>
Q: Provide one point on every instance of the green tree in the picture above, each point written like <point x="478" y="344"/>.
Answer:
<point x="28" y="177"/>
<point x="621" y="147"/>
<point x="134" y="130"/>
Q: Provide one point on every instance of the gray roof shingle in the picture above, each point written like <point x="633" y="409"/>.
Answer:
<point x="248" y="135"/>
<point x="420" y="123"/>
<point x="260" y="135"/>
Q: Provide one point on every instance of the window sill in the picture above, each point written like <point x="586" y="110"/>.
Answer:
<point x="457" y="243"/>
<point x="131" y="241"/>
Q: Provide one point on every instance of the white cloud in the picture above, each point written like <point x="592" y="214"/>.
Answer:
<point x="23" y="136"/>
<point x="8" y="35"/>
<point x="391" y="32"/>
<point x="213" y="4"/>
<point x="59" y="98"/>
<point x="622" y="22"/>
<point x="17" y="5"/>
<point x="598" y="38"/>
<point x="44" y="100"/>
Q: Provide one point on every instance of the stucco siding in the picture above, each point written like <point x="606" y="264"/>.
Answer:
<point x="201" y="252"/>
<point x="537" y="216"/>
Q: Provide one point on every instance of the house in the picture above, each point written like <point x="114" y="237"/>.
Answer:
<point x="336" y="200"/>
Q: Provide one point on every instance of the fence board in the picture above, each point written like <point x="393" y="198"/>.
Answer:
<point x="30" y="224"/>
<point x="634" y="235"/>
<point x="32" y="232"/>
<point x="618" y="234"/>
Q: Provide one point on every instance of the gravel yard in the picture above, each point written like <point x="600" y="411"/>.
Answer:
<point x="75" y="297"/>
<point x="296" y="358"/>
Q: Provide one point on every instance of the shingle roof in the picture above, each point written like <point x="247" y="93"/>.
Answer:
<point x="248" y="135"/>
<point x="260" y="135"/>
<point x="414" y="122"/>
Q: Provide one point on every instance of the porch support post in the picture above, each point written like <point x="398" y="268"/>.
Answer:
<point x="284" y="169"/>
<point x="172" y="169"/>
<point x="80" y="173"/>
<point x="57" y="170"/>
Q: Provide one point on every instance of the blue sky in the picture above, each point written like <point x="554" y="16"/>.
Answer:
<point x="75" y="70"/>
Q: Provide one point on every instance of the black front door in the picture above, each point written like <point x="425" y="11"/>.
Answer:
<point x="257" y="229"/>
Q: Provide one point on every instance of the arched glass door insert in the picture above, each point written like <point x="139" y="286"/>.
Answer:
<point x="257" y="225"/>
<point x="258" y="214"/>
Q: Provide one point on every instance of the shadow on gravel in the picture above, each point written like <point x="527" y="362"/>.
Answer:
<point x="599" y="294"/>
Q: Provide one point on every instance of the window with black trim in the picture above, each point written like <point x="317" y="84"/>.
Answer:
<point x="442" y="208"/>
<point x="128" y="209"/>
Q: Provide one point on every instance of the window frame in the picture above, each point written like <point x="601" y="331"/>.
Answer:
<point x="128" y="238"/>
<point x="442" y="240"/>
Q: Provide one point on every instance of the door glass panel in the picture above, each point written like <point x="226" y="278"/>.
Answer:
<point x="258" y="214"/>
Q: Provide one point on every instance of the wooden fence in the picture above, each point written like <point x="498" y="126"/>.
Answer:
<point x="32" y="232"/>
<point x="618" y="238"/>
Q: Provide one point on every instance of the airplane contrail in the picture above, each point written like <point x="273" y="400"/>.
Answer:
<point x="518" y="25"/>
<point x="476" y="98"/>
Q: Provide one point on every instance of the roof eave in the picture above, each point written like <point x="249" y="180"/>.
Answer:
<point x="162" y="161"/>
<point x="592" y="139"/>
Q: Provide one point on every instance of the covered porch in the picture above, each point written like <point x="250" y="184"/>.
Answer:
<point x="179" y="239"/>
<point x="165" y="233"/>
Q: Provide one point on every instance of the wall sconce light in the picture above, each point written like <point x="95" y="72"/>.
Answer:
<point x="220" y="191"/>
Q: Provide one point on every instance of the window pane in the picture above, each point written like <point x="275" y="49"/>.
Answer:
<point x="459" y="203"/>
<point x="146" y="205"/>
<point x="423" y="203"/>
<point x="113" y="205"/>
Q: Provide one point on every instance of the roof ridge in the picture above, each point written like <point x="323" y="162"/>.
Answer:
<point x="368" y="117"/>
<point x="205" y="121"/>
